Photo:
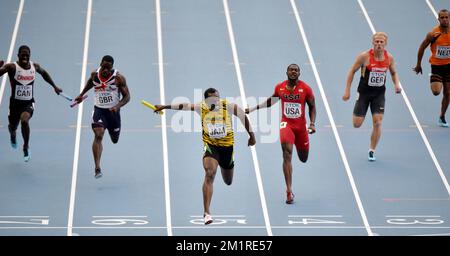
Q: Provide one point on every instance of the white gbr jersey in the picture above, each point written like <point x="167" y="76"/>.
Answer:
<point x="22" y="84"/>
<point x="107" y="94"/>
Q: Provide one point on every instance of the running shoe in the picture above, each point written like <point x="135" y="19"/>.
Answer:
<point x="26" y="155"/>
<point x="289" y="197"/>
<point x="442" y="122"/>
<point x="208" y="219"/>
<point x="98" y="173"/>
<point x="372" y="156"/>
<point x="12" y="138"/>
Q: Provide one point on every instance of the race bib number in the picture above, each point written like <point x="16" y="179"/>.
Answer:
<point x="442" y="52"/>
<point x="23" y="92"/>
<point x="292" y="110"/>
<point x="377" y="79"/>
<point x="217" y="131"/>
<point x="104" y="99"/>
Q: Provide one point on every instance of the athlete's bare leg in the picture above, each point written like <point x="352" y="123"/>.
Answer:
<point x="445" y="99"/>
<point x="376" y="132"/>
<point x="303" y="155"/>
<point x="436" y="88"/>
<point x="97" y="147"/>
<point x="210" y="165"/>
<point x="287" y="165"/>
<point x="25" y="128"/>
<point x="227" y="175"/>
<point x="358" y="121"/>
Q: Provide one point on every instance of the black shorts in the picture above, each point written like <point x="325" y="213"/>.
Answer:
<point x="15" y="111"/>
<point x="440" y="73"/>
<point x="104" y="118"/>
<point x="223" y="155"/>
<point x="375" y="100"/>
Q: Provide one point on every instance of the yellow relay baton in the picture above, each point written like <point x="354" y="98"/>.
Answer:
<point x="145" y="103"/>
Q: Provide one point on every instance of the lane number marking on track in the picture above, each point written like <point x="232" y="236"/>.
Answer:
<point x="120" y="220"/>
<point x="315" y="219"/>
<point x="220" y="219"/>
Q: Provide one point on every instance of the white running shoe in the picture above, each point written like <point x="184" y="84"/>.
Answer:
<point x="208" y="219"/>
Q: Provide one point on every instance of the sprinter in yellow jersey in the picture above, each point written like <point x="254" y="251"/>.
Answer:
<point x="218" y="139"/>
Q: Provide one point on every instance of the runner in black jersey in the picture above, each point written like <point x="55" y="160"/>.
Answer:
<point x="22" y="74"/>
<point x="374" y="65"/>
<point x="111" y="93"/>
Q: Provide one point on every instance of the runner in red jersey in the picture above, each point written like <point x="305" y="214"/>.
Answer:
<point x="293" y="130"/>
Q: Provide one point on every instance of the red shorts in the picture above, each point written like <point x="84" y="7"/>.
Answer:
<point x="294" y="135"/>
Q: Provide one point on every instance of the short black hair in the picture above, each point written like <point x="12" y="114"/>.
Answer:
<point x="108" y="58"/>
<point x="24" y="47"/>
<point x="209" y="91"/>
<point x="443" y="10"/>
<point x="293" y="64"/>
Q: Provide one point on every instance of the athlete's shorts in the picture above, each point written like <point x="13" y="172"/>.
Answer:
<point x="293" y="135"/>
<point x="223" y="155"/>
<point x="375" y="100"/>
<point x="440" y="73"/>
<point x="15" y="111"/>
<point x="104" y="118"/>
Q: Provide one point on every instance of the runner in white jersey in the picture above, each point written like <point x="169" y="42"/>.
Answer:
<point x="110" y="94"/>
<point x="21" y="104"/>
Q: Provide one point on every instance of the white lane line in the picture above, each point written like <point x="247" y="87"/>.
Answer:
<point x="333" y="124"/>
<point x="433" y="10"/>
<point x="11" y="46"/>
<point x="218" y="216"/>
<point x="440" y="234"/>
<point x="24" y="216"/>
<point x="79" y="119"/>
<point x="413" y="114"/>
<point x="427" y="216"/>
<point x="236" y="227"/>
<point x="244" y="104"/>
<point x="163" y="119"/>
<point x="119" y="216"/>
<point x="336" y="216"/>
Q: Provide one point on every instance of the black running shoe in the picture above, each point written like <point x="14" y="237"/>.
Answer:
<point x="13" y="139"/>
<point x="442" y="122"/>
<point x="372" y="156"/>
<point x="26" y="154"/>
<point x="289" y="197"/>
<point x="98" y="173"/>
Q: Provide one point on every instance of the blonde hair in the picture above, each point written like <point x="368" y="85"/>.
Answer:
<point x="380" y="34"/>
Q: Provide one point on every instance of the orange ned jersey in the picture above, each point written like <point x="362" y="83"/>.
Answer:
<point x="440" y="48"/>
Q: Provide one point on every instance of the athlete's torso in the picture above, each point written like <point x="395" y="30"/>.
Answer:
<point x="293" y="102"/>
<point x="374" y="78"/>
<point x="217" y="126"/>
<point x="106" y="91"/>
<point x="22" y="84"/>
<point x="440" y="47"/>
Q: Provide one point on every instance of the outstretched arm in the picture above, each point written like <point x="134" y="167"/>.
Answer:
<point x="359" y="62"/>
<point x="266" y="104"/>
<point x="10" y="67"/>
<point x="422" y="47"/>
<point x="179" y="106"/>
<point x="237" y="111"/>
<point x="89" y="85"/>
<point x="47" y="78"/>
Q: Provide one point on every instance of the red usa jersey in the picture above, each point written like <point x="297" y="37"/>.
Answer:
<point x="293" y="102"/>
